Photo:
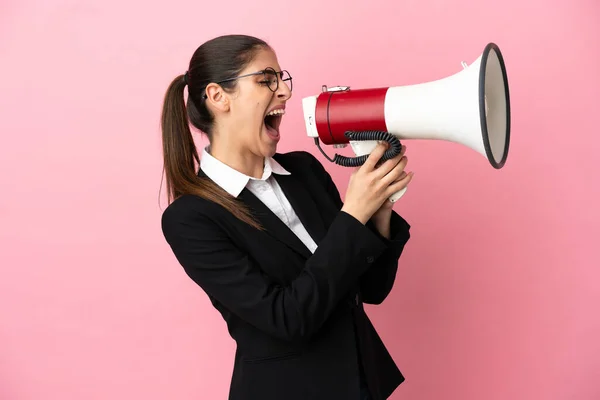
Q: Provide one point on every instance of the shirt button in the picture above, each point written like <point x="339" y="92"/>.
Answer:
<point x="370" y="259"/>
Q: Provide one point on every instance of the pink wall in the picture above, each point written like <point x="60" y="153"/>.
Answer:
<point x="497" y="295"/>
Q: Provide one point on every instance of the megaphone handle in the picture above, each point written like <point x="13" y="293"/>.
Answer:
<point x="396" y="196"/>
<point x="365" y="147"/>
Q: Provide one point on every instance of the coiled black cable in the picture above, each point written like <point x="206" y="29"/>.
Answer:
<point x="394" y="149"/>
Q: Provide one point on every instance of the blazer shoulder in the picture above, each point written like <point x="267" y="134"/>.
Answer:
<point x="296" y="156"/>
<point x="299" y="161"/>
<point x="188" y="209"/>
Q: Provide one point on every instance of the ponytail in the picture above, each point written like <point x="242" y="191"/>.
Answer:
<point x="180" y="158"/>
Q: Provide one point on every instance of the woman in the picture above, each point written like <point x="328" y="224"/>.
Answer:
<point x="268" y="238"/>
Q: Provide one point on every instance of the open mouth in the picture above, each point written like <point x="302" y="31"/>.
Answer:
<point x="272" y="122"/>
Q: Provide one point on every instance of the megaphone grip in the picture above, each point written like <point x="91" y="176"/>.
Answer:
<point x="394" y="149"/>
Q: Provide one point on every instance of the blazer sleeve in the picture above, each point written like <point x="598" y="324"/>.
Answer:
<point x="292" y="312"/>
<point x="377" y="282"/>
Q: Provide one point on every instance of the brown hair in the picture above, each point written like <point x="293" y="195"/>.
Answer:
<point x="218" y="59"/>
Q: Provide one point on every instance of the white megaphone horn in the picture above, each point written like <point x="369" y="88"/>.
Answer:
<point x="471" y="107"/>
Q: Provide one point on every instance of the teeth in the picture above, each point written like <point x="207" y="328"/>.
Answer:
<point x="276" y="112"/>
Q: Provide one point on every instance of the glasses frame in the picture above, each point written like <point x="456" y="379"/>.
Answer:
<point x="265" y="71"/>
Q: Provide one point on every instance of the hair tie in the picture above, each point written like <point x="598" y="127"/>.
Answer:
<point x="185" y="77"/>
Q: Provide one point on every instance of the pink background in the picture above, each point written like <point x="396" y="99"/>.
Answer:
<point x="497" y="295"/>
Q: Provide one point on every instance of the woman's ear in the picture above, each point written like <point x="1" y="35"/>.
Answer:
<point x="217" y="98"/>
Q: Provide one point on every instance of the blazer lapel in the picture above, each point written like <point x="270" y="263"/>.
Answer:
<point x="272" y="224"/>
<point x="303" y="204"/>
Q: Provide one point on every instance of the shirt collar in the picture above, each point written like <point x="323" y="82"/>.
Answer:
<point x="232" y="180"/>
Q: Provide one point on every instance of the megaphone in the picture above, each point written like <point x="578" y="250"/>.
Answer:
<point x="471" y="107"/>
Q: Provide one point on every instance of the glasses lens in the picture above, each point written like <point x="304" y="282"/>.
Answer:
<point x="271" y="79"/>
<point x="285" y="77"/>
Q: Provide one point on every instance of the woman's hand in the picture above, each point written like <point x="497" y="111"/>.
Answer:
<point x="372" y="184"/>
<point x="381" y="217"/>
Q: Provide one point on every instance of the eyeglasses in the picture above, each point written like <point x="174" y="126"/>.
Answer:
<point x="271" y="79"/>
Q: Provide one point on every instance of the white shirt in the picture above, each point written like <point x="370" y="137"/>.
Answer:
<point x="266" y="189"/>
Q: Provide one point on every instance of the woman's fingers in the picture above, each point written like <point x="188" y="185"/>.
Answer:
<point x="401" y="183"/>
<point x="384" y="168"/>
<point x="373" y="158"/>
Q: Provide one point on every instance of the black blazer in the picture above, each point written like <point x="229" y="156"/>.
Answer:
<point x="297" y="318"/>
